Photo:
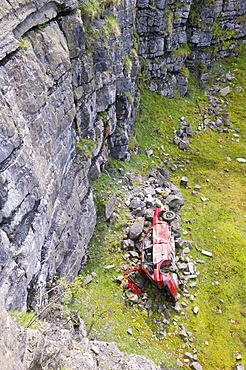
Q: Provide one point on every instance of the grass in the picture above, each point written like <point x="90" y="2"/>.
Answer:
<point x="24" y="319"/>
<point x="218" y="328"/>
<point x="85" y="148"/>
<point x="111" y="27"/>
<point x="94" y="10"/>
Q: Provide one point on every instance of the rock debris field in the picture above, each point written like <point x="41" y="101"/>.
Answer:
<point x="156" y="191"/>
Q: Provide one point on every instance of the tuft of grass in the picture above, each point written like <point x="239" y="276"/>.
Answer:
<point x="24" y="318"/>
<point x="127" y="65"/>
<point x="91" y="10"/>
<point x="111" y="27"/>
<point x="184" y="51"/>
<point x="24" y="44"/>
<point x="85" y="148"/>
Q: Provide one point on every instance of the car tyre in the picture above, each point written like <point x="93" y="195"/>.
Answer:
<point x="167" y="216"/>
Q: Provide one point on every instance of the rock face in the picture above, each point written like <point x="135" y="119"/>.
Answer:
<point x="54" y="94"/>
<point x="68" y="99"/>
<point x="64" y="345"/>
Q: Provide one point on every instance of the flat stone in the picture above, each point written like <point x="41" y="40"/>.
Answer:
<point x="95" y="349"/>
<point x="197" y="187"/>
<point x="132" y="296"/>
<point x="109" y="267"/>
<point x="133" y="254"/>
<point x="149" y="153"/>
<point x="179" y="363"/>
<point x="225" y="91"/>
<point x="148" y="304"/>
<point x="206" y="253"/>
<point x="129" y="331"/>
<point x="177" y="307"/>
<point x="189" y="355"/>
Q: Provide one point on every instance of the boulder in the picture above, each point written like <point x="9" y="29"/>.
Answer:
<point x="174" y="202"/>
<point x="196" y="366"/>
<point x="225" y="91"/>
<point x="109" y="207"/>
<point x="136" y="229"/>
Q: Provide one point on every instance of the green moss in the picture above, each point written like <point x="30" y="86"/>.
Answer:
<point x="184" y="71"/>
<point x="42" y="26"/>
<point x="133" y="143"/>
<point x="95" y="8"/>
<point x="91" y="10"/>
<point x="184" y="50"/>
<point x="241" y="19"/>
<point x="169" y="22"/>
<point x="219" y="34"/>
<point x="134" y="53"/>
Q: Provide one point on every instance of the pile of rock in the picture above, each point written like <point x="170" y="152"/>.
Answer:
<point x="181" y="135"/>
<point x="215" y="116"/>
<point x="142" y="195"/>
<point x="152" y="191"/>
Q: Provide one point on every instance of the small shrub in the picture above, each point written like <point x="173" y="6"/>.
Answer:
<point x="133" y="143"/>
<point x="134" y="53"/>
<point x="23" y="318"/>
<point x="219" y="34"/>
<point x="203" y="68"/>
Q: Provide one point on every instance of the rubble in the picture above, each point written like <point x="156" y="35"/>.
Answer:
<point x="154" y="191"/>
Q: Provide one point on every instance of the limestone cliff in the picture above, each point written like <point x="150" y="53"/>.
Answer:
<point x="68" y="99"/>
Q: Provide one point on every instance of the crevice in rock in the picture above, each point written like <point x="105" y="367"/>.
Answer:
<point x="13" y="155"/>
<point x="22" y="229"/>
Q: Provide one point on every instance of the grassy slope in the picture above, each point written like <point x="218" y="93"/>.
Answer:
<point x="219" y="327"/>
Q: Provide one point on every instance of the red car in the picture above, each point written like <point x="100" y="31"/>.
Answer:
<point x="157" y="256"/>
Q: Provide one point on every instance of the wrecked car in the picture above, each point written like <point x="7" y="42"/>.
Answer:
<point x="157" y="258"/>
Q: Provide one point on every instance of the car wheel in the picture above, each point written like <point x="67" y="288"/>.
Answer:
<point x="167" y="216"/>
